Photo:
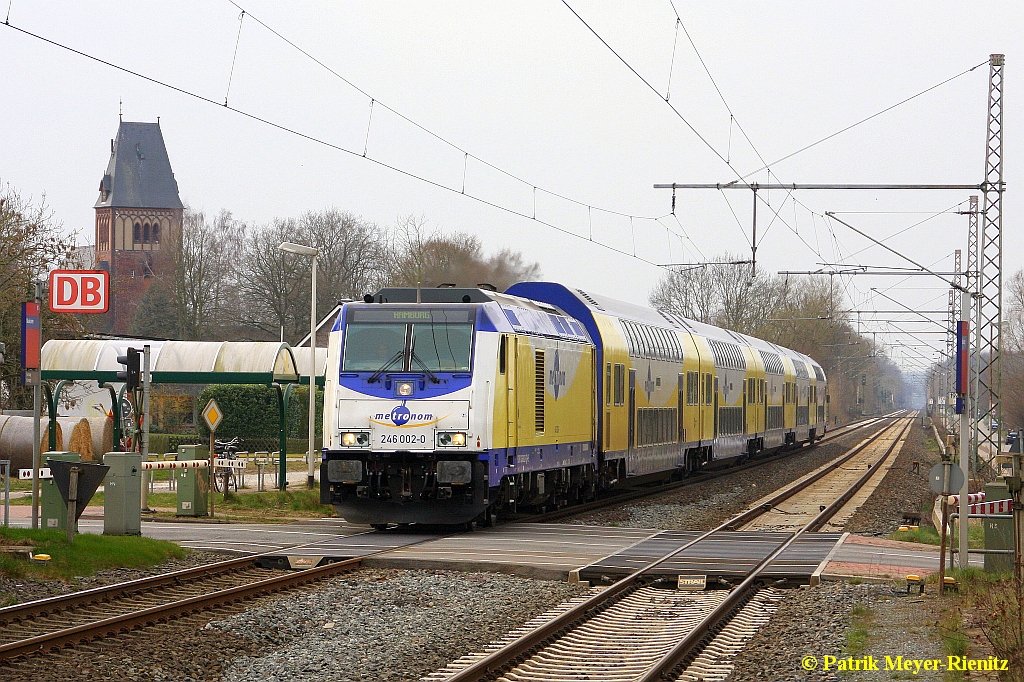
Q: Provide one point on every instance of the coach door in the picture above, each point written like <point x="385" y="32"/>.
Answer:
<point x="715" y="407"/>
<point x="631" y="460"/>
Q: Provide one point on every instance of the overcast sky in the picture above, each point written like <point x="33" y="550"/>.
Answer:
<point x="529" y="89"/>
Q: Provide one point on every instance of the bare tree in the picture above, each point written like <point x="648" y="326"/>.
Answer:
<point x="272" y="285"/>
<point x="354" y="255"/>
<point x="31" y="243"/>
<point x="432" y="258"/>
<point x="199" y="278"/>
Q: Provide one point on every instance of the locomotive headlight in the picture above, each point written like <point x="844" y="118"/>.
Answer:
<point x="451" y="439"/>
<point x="404" y="389"/>
<point x="355" y="439"/>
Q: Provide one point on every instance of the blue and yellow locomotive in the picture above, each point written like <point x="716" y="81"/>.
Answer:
<point x="445" y="406"/>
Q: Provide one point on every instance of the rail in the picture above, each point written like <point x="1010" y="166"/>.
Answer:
<point x="496" y="660"/>
<point x="136" y="618"/>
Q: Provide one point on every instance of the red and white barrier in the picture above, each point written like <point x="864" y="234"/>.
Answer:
<point x="997" y="507"/>
<point x="177" y="464"/>
<point x="973" y="498"/>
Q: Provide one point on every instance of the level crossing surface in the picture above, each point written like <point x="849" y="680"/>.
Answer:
<point x="539" y="550"/>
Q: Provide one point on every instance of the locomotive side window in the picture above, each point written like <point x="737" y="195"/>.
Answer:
<point x="502" y="351"/>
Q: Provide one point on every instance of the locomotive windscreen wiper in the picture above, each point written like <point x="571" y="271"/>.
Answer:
<point x="386" y="366"/>
<point x="416" y="359"/>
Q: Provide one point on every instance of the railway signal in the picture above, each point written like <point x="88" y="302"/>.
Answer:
<point x="132" y="370"/>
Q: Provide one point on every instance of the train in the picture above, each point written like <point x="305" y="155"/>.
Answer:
<point x="453" y="405"/>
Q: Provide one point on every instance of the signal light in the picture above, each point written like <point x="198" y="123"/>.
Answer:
<point x="130" y="375"/>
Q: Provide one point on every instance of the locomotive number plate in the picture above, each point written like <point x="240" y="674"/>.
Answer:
<point x="402" y="439"/>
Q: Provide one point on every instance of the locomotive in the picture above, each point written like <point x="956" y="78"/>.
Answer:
<point x="449" y="405"/>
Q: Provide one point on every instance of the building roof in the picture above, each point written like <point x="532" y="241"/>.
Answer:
<point x="139" y="173"/>
<point x="174" y="362"/>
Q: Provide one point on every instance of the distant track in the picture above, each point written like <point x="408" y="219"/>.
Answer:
<point x="701" y="477"/>
<point x="632" y="630"/>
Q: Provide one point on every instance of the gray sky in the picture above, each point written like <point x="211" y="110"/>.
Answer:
<point x="528" y="88"/>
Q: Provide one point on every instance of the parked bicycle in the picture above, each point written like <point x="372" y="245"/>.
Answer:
<point x="224" y="477"/>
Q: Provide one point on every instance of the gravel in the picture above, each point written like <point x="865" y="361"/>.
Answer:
<point x="384" y="624"/>
<point x="706" y="504"/>
<point x="902" y="490"/>
<point x="20" y="590"/>
<point x="814" y="622"/>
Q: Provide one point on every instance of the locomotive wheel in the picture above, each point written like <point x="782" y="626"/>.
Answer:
<point x="379" y="526"/>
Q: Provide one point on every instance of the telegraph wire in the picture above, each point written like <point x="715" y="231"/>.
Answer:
<point x="336" y="147"/>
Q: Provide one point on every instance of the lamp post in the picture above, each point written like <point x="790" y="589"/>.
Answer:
<point x="308" y="251"/>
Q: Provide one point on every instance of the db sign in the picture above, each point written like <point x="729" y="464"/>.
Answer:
<point x="79" y="291"/>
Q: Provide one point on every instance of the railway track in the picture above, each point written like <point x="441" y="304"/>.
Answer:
<point x="58" y="622"/>
<point x="634" y="630"/>
<point x="91" y="615"/>
<point x="708" y="475"/>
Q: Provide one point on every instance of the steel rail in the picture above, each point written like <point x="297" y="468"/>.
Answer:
<point x="678" y="653"/>
<point x="161" y="613"/>
<point x="156" y="614"/>
<point x="707" y="475"/>
<point x="502" y="657"/>
<point x="105" y="593"/>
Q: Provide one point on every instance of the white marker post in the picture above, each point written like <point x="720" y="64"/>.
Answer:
<point x="965" y="439"/>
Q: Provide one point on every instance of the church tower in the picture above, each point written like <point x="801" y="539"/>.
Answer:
<point x="138" y="213"/>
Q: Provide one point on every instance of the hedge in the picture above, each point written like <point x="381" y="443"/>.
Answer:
<point x="250" y="411"/>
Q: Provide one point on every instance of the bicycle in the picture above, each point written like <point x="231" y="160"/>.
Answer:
<point x="224" y="477"/>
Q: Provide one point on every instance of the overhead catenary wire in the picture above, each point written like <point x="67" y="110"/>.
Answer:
<point x="234" y="56"/>
<point x="444" y="140"/>
<point x="340" y="148"/>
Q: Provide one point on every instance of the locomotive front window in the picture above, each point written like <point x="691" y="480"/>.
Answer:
<point x="368" y="347"/>
<point x="421" y="339"/>
<point x="442" y="347"/>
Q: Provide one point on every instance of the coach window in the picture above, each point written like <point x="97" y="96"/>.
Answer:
<point x="692" y="388"/>
<point x="708" y="390"/>
<point x="620" y="384"/>
<point x="608" y="384"/>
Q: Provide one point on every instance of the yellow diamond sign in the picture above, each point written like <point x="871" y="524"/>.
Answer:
<point x="213" y="415"/>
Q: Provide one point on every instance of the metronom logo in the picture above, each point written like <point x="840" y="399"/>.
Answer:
<point x="402" y="415"/>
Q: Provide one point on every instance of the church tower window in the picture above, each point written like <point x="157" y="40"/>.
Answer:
<point x="156" y="233"/>
<point x="145" y="233"/>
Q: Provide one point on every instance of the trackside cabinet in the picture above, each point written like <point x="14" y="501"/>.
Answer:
<point x="998" y="532"/>
<point x="122" y="499"/>
<point x="54" y="511"/>
<point x="193" y="484"/>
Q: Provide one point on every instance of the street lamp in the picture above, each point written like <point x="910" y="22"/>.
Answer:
<point x="289" y="247"/>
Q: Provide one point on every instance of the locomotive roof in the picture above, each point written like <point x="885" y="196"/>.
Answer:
<point x="520" y="315"/>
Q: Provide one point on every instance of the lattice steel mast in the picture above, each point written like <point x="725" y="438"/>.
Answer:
<point x="949" y="361"/>
<point x="990" y="273"/>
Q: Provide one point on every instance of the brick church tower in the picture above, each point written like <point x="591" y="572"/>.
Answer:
<point x="138" y="213"/>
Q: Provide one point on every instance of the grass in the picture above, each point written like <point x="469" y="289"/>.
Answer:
<point x="924" y="535"/>
<point x="929" y="536"/>
<point x="859" y="630"/>
<point x="87" y="555"/>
